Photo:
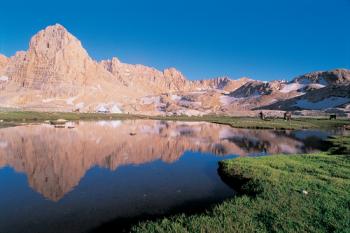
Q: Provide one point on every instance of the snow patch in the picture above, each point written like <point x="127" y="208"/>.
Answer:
<point x="115" y="109"/>
<point x="4" y="79"/>
<point x="330" y="102"/>
<point x="102" y="109"/>
<point x="108" y="108"/>
<point x="80" y="105"/>
<point x="292" y="87"/>
<point x="317" y="85"/>
<point x="175" y="97"/>
<point x="227" y="100"/>
<point x="70" y="100"/>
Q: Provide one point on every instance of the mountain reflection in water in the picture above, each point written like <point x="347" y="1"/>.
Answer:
<point x="102" y="171"/>
<point x="55" y="159"/>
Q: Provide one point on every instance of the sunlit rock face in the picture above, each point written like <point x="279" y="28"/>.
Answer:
<point x="55" y="60"/>
<point x="3" y="63"/>
<point x="150" y="79"/>
<point x="56" y="159"/>
<point x="57" y="74"/>
<point x="337" y="76"/>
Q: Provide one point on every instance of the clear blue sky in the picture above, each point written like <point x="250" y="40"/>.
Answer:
<point x="270" y="39"/>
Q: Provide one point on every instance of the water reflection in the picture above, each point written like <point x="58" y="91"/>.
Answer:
<point x="124" y="169"/>
<point x="56" y="159"/>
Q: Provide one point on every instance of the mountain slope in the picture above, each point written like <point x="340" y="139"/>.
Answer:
<point x="55" y="69"/>
<point x="57" y="74"/>
<point x="331" y="96"/>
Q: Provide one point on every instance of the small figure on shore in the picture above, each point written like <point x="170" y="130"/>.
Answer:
<point x="262" y="115"/>
<point x="333" y="116"/>
<point x="287" y="116"/>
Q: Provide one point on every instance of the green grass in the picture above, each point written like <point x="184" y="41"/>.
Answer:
<point x="298" y="123"/>
<point x="270" y="188"/>
<point x="16" y="117"/>
<point x="271" y="199"/>
<point x="19" y="116"/>
<point x="237" y="122"/>
<point x="341" y="145"/>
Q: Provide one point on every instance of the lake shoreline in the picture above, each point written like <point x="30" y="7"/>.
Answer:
<point x="249" y="177"/>
<point x="17" y="118"/>
<point x="291" y="193"/>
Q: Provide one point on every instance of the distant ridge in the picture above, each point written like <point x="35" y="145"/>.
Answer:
<point x="57" y="74"/>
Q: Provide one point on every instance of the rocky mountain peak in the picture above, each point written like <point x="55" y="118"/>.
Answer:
<point x="3" y="62"/>
<point x="3" y="57"/>
<point x="115" y="60"/>
<point x="111" y="65"/>
<point x="174" y="74"/>
<point x="53" y="39"/>
<point x="57" y="73"/>
<point x="256" y="89"/>
<point x="335" y="76"/>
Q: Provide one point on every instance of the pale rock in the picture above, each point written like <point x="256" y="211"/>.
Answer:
<point x="56" y="73"/>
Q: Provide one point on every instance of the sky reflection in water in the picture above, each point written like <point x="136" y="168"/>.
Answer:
<point x="71" y="180"/>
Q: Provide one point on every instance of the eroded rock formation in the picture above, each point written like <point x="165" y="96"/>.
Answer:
<point x="57" y="74"/>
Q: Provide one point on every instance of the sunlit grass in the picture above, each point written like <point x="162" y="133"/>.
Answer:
<point x="298" y="193"/>
<point x="237" y="122"/>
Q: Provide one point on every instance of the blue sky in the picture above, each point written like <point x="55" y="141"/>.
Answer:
<point x="271" y="39"/>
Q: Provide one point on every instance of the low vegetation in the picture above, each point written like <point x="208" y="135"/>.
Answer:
<point x="298" y="123"/>
<point x="16" y="117"/>
<point x="340" y="145"/>
<point x="297" y="193"/>
<point x="19" y="116"/>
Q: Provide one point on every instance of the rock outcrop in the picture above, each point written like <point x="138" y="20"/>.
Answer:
<point x="337" y="76"/>
<point x="327" y="98"/>
<point x="56" y="64"/>
<point x="57" y="74"/>
<point x="150" y="79"/>
<point x="221" y="83"/>
<point x="3" y="63"/>
<point x="257" y="88"/>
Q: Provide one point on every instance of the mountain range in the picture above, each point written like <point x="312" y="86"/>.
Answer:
<point x="57" y="74"/>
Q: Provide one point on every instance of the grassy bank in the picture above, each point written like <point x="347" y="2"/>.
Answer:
<point x="16" y="117"/>
<point x="298" y="193"/>
<point x="20" y="116"/>
<point x="299" y="123"/>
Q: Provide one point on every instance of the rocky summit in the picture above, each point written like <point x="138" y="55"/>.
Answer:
<point x="57" y="74"/>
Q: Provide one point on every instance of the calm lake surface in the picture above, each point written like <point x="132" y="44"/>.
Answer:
<point x="74" y="180"/>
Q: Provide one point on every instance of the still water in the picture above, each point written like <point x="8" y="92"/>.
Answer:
<point x="76" y="179"/>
